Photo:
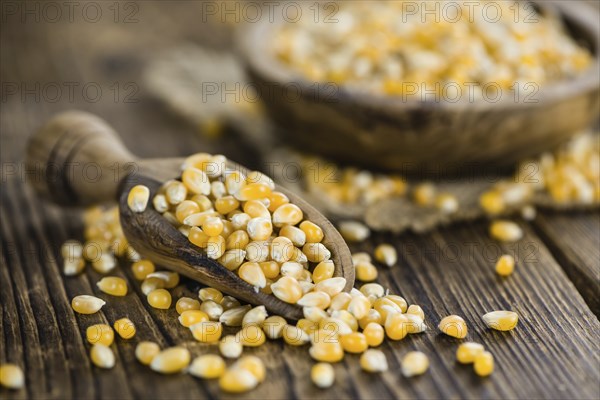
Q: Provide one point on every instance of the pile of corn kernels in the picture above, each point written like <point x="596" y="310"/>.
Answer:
<point x="225" y="204"/>
<point x="380" y="45"/>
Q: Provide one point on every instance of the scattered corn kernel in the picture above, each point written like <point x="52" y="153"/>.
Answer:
<point x="85" y="304"/>
<point x="468" y="351"/>
<point x="237" y="380"/>
<point x="191" y="317"/>
<point x="273" y="327"/>
<point x="354" y="231"/>
<point x="230" y="347"/>
<point x="186" y="304"/>
<point x="138" y="197"/>
<point x="501" y="320"/>
<point x="125" y="328"/>
<point x="414" y="363"/>
<point x="207" y="331"/>
<point x="505" y="265"/>
<point x="374" y="333"/>
<point x="146" y="351"/>
<point x="484" y="364"/>
<point x="366" y="272"/>
<point x="159" y="298"/>
<point x="373" y="360"/>
<point x="251" y="336"/>
<point x="142" y="268"/>
<point x="454" y="326"/>
<point x="386" y="254"/>
<point x="207" y="366"/>
<point x="113" y="285"/>
<point x="171" y="360"/>
<point x="100" y="333"/>
<point x="102" y="356"/>
<point x="11" y="376"/>
<point x="354" y="342"/>
<point x="505" y="231"/>
<point x="322" y="375"/>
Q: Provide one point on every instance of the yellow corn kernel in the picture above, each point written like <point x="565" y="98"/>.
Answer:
<point x="492" y="202"/>
<point x="354" y="342"/>
<point x="501" y="320"/>
<point x="424" y="194"/>
<point x="340" y="301"/>
<point x="71" y="249"/>
<point x="446" y="203"/>
<point x="396" y="326"/>
<point x="315" y="299"/>
<point x="307" y="325"/>
<point x="146" y="351"/>
<point x="399" y="301"/>
<point x="171" y="360"/>
<point x="256" y="209"/>
<point x="186" y="304"/>
<point x="287" y="289"/>
<point x="277" y="199"/>
<point x="373" y="360"/>
<point x="234" y="316"/>
<point x="336" y="325"/>
<point x="323" y="270"/>
<point x="468" y="351"/>
<point x="347" y="318"/>
<point x="287" y="214"/>
<point x="386" y="254"/>
<point x="416" y="310"/>
<point x="314" y="233"/>
<point x="215" y="247"/>
<point x="100" y="333"/>
<point x="322" y="375"/>
<point x="271" y="269"/>
<point x="366" y="272"/>
<point x="259" y="229"/>
<point x="113" y="285"/>
<point x="228" y="302"/>
<point x="192" y="317"/>
<point x="212" y="226"/>
<point x="372" y="316"/>
<point x="207" y="366"/>
<point x="185" y="209"/>
<point x="374" y="334"/>
<point x="159" y="298"/>
<point x="213" y="309"/>
<point x="282" y="249"/>
<point x="257" y="251"/>
<point x="232" y="259"/>
<point x="150" y="284"/>
<point x="160" y="203"/>
<point x="73" y="266"/>
<point x="294" y="234"/>
<point x="170" y="279"/>
<point x="414" y="363"/>
<point x="253" y="191"/>
<point x="505" y="265"/>
<point x="207" y="331"/>
<point x="85" y="304"/>
<point x="255" y="316"/>
<point x="294" y="336"/>
<point x="198" y="237"/>
<point x="204" y="203"/>
<point x="125" y="328"/>
<point x="142" y="268"/>
<point x="230" y="347"/>
<point x="253" y="274"/>
<point x="484" y="364"/>
<point x="326" y="350"/>
<point x="208" y="293"/>
<point x="415" y="324"/>
<point x="11" y="376"/>
<point x="226" y="204"/>
<point x="237" y="240"/>
<point x="217" y="189"/>
<point x="360" y="257"/>
<point x="138" y="197"/>
<point x="102" y="356"/>
<point x="237" y="380"/>
<point x="196" y="181"/>
<point x="251" y="336"/>
<point x="505" y="231"/>
<point x="273" y="327"/>
<point x="359" y="307"/>
<point x="331" y="286"/>
<point x="298" y="256"/>
<point x="454" y="326"/>
<point x="252" y="364"/>
<point x="354" y="231"/>
<point x="175" y="192"/>
<point x="105" y="263"/>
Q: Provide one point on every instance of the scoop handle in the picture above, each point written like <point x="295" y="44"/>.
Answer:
<point x="77" y="159"/>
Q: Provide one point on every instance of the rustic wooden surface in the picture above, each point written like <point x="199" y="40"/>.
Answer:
<point x="553" y="353"/>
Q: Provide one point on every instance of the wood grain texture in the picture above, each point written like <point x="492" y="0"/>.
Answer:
<point x="574" y="241"/>
<point x="552" y="354"/>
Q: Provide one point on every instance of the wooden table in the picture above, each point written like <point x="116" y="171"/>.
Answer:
<point x="553" y="353"/>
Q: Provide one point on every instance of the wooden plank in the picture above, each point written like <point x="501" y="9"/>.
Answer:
<point x="574" y="240"/>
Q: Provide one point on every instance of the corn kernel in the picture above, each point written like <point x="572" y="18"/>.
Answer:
<point x="253" y="274"/>
<point x="185" y="209"/>
<point x="396" y="326"/>
<point x="501" y="320"/>
<point x="237" y="381"/>
<point x="484" y="364"/>
<point x="322" y="375"/>
<point x="505" y="265"/>
<point x="314" y="233"/>
<point x="424" y="194"/>
<point x="366" y="272"/>
<point x="234" y="316"/>
<point x="237" y="240"/>
<point x="175" y="192"/>
<point x="212" y="226"/>
<point x="505" y="231"/>
<point x="287" y="214"/>
<point x="294" y="336"/>
<point x="150" y="284"/>
<point x="386" y="254"/>
<point x="251" y="336"/>
<point x="198" y="237"/>
<point x="146" y="351"/>
<point x="186" y="304"/>
<point x="374" y="334"/>
<point x="192" y="317"/>
<point x="414" y="363"/>
<point x="171" y="360"/>
<point x="125" y="328"/>
<point x="228" y="302"/>
<point x="159" y="298"/>
<point x="105" y="263"/>
<point x="252" y="364"/>
<point x="206" y="294"/>
<point x="73" y="266"/>
<point x="257" y="251"/>
<point x="11" y="376"/>
<point x="230" y="347"/>
<point x="373" y="360"/>
<point x="255" y="316"/>
<point x="207" y="331"/>
<point x="326" y="350"/>
<point x="85" y="304"/>
<point x="468" y="351"/>
<point x="252" y="191"/>
<point x="138" y="197"/>
<point x="102" y="356"/>
<point x="359" y="307"/>
<point x="256" y="209"/>
<point x="207" y="366"/>
<point x="160" y="203"/>
<point x="113" y="285"/>
<point x="354" y="231"/>
<point x="354" y="342"/>
<point x="416" y="310"/>
<point x="142" y="268"/>
<point x="331" y="286"/>
<point x="213" y="309"/>
<point x="100" y="333"/>
<point x="315" y="299"/>
<point x="340" y="301"/>
<point x="454" y="326"/>
<point x="287" y="289"/>
<point x="226" y="204"/>
<point x="215" y="247"/>
<point x="294" y="234"/>
<point x="346" y="317"/>
<point x="273" y="327"/>
<point x="170" y="279"/>
<point x="372" y="316"/>
<point x="446" y="203"/>
<point x="492" y="202"/>
<point x="196" y="181"/>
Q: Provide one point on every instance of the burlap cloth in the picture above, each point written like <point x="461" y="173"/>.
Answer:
<point x="184" y="78"/>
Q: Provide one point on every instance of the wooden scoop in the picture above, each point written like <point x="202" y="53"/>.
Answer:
<point x="80" y="160"/>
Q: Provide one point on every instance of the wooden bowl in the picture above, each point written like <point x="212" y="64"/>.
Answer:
<point x="419" y="137"/>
